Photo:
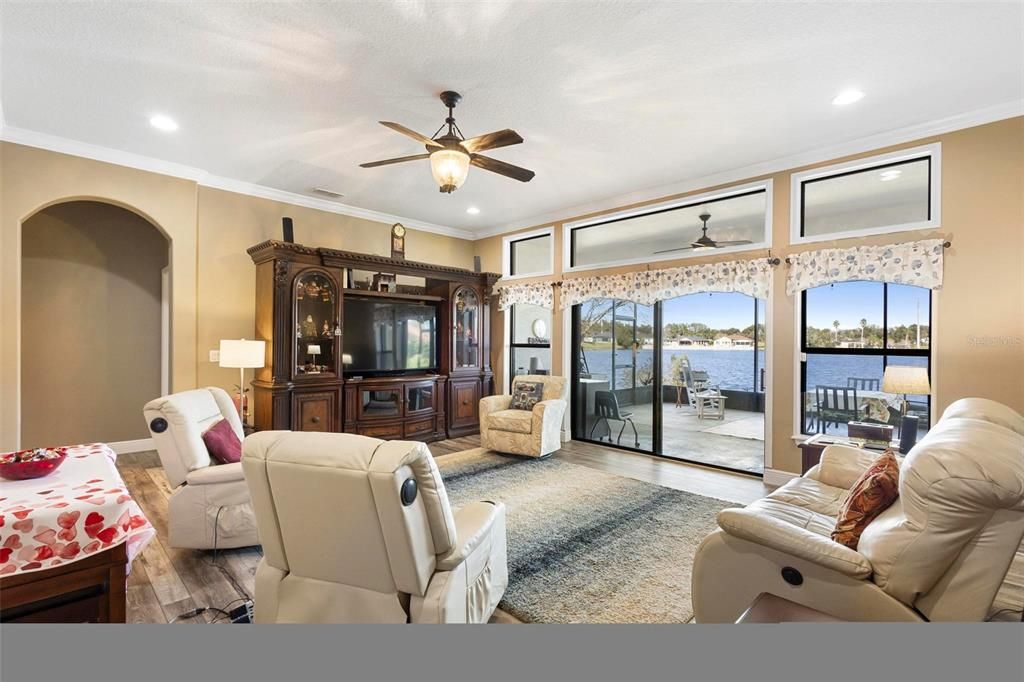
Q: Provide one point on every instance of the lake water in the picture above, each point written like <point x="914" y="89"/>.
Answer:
<point x="734" y="369"/>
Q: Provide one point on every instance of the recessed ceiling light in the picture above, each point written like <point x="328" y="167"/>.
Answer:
<point x="888" y="175"/>
<point x="847" y="97"/>
<point x="473" y="210"/>
<point x="164" y="123"/>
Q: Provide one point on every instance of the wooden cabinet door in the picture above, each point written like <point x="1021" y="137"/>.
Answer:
<point x="314" y="411"/>
<point x="465" y="403"/>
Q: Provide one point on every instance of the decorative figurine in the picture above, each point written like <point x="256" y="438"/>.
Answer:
<point x="309" y="327"/>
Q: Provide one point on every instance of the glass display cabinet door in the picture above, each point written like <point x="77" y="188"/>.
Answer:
<point x="380" y="403"/>
<point x="317" y="327"/>
<point x="467" y="328"/>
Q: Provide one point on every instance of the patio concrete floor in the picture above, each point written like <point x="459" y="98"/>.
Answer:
<point x="720" y="442"/>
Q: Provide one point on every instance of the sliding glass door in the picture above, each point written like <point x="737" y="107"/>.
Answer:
<point x="615" y="371"/>
<point x="683" y="378"/>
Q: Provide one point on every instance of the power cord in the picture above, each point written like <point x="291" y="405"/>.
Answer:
<point x="996" y="614"/>
<point x="240" y="614"/>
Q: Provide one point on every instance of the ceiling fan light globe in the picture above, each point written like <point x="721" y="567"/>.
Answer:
<point x="450" y="168"/>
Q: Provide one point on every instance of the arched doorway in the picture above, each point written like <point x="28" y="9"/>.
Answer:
<point x="94" y="294"/>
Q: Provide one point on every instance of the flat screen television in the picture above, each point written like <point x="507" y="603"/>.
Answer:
<point x="389" y="337"/>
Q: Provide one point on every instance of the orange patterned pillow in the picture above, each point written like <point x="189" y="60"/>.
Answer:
<point x="873" y="493"/>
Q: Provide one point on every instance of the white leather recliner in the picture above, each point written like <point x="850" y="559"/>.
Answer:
<point x="359" y="530"/>
<point x="210" y="505"/>
<point x="534" y="433"/>
<point x="939" y="553"/>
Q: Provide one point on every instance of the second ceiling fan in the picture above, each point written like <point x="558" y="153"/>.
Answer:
<point x="704" y="241"/>
<point x="451" y="154"/>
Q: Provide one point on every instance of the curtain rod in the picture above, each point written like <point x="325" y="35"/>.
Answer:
<point x="946" y="244"/>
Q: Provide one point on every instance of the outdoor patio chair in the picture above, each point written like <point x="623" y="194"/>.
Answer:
<point x="606" y="407"/>
<point x="695" y="380"/>
<point x="862" y="384"/>
<point x="836" y="405"/>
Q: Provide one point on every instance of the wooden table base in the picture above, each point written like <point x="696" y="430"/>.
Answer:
<point x="88" y="591"/>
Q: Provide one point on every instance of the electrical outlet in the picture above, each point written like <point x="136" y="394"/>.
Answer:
<point x="214" y="356"/>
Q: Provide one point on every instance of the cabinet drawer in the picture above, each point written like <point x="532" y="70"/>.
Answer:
<point x="313" y="411"/>
<point x="384" y="431"/>
<point x="419" y="428"/>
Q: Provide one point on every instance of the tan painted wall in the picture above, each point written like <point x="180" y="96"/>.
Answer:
<point x="91" y="277"/>
<point x="979" y="314"/>
<point x="209" y="230"/>
<point x="229" y="223"/>
<point x="32" y="179"/>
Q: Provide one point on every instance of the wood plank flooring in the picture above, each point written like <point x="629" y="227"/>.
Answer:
<point x="167" y="582"/>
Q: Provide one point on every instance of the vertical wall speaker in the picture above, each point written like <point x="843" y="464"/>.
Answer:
<point x="476" y="263"/>
<point x="286" y="228"/>
<point x="908" y="433"/>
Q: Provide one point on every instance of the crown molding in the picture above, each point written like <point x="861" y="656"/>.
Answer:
<point x="903" y="135"/>
<point x="785" y="163"/>
<point x="62" y="145"/>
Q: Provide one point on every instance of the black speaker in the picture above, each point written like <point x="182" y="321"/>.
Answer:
<point x="286" y="228"/>
<point x="476" y="263"/>
<point x="908" y="433"/>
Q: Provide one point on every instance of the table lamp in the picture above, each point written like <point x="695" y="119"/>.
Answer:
<point x="314" y="350"/>
<point x="906" y="380"/>
<point x="242" y="354"/>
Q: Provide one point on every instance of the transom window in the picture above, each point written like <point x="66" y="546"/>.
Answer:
<point x="528" y="255"/>
<point x="738" y="220"/>
<point x="887" y="193"/>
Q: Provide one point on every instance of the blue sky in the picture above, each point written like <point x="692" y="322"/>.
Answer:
<point x="848" y="302"/>
<point x="718" y="311"/>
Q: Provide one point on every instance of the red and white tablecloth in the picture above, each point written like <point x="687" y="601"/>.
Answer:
<point x="80" y="509"/>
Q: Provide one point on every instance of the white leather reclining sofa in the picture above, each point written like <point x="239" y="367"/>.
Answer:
<point x="939" y="553"/>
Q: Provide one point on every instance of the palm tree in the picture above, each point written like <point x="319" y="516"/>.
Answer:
<point x="863" y="326"/>
<point x="836" y="325"/>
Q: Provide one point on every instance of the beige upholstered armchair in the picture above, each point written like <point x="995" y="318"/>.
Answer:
<point x="359" y="530"/>
<point x="210" y="505"/>
<point x="939" y="553"/>
<point x="534" y="433"/>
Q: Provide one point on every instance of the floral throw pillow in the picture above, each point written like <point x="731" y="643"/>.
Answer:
<point x="874" y="492"/>
<point x="526" y="394"/>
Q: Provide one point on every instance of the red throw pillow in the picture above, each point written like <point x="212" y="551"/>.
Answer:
<point x="874" y="492"/>
<point x="222" y="443"/>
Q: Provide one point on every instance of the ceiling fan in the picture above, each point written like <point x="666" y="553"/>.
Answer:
<point x="704" y="241"/>
<point x="451" y="154"/>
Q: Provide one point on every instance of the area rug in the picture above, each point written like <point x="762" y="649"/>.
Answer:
<point x="585" y="546"/>
<point x="750" y="427"/>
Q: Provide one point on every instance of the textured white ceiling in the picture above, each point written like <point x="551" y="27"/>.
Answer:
<point x="611" y="97"/>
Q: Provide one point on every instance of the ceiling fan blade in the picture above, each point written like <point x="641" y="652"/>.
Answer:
<point x="501" y="168"/>
<point x="400" y="159"/>
<point x="399" y="128"/>
<point x="681" y="248"/>
<point x="499" y="138"/>
<point x="733" y="243"/>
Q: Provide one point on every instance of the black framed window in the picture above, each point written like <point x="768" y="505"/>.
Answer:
<point x="530" y="255"/>
<point x="638" y="237"/>
<point x="867" y="200"/>
<point x="529" y="340"/>
<point x="851" y="332"/>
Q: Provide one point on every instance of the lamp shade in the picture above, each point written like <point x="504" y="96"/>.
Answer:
<point x="903" y="379"/>
<point x="313" y="349"/>
<point x="242" y="353"/>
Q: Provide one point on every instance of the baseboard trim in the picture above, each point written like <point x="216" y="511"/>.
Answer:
<point x="124" y="447"/>
<point x="777" y="477"/>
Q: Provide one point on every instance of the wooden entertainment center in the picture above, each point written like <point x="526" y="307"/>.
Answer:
<point x="304" y="385"/>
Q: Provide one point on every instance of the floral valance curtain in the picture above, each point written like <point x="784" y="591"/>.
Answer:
<point x="917" y="263"/>
<point x="750" y="277"/>
<point x="536" y="293"/>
